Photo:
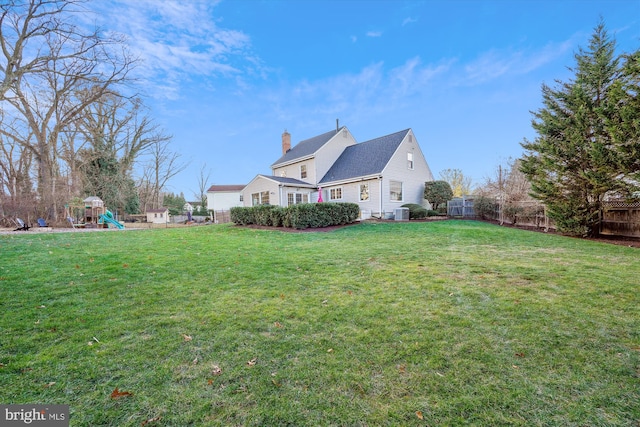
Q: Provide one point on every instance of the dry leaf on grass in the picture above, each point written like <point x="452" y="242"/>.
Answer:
<point x="252" y="362"/>
<point x="216" y="370"/>
<point x="117" y="394"/>
<point x="151" y="420"/>
<point x="419" y="415"/>
<point x="186" y="337"/>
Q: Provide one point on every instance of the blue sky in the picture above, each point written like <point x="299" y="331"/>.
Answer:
<point x="226" y="78"/>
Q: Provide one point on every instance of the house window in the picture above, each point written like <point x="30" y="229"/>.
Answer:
<point x="255" y="199"/>
<point x="303" y="171"/>
<point x="335" y="193"/>
<point x="155" y="215"/>
<point x="241" y="198"/>
<point x="264" y="198"/>
<point x="410" y="161"/>
<point x="364" y="192"/>
<point x="395" y="191"/>
<point x="160" y="214"/>
<point x="297" y="198"/>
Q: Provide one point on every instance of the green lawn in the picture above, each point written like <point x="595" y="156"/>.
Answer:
<point x="432" y="323"/>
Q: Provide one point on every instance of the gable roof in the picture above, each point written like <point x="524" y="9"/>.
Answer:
<point x="366" y="158"/>
<point x="306" y="148"/>
<point x="292" y="182"/>
<point x="222" y="188"/>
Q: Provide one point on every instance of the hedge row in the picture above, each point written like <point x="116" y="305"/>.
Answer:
<point x="305" y="215"/>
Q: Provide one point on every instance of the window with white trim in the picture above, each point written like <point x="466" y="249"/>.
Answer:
<point x="297" y="198"/>
<point x="364" y="192"/>
<point x="395" y="191"/>
<point x="303" y="171"/>
<point x="410" y="161"/>
<point x="335" y="193"/>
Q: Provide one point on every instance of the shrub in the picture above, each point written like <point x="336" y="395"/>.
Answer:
<point x="306" y="215"/>
<point x="415" y="211"/>
<point x="431" y="212"/>
<point x="512" y="212"/>
<point x="262" y="214"/>
<point x="485" y="207"/>
<point x="313" y="215"/>
<point x="242" y="215"/>
<point x="278" y="216"/>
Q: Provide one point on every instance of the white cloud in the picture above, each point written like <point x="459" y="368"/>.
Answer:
<point x="351" y="96"/>
<point x="374" y="33"/>
<point x="409" y="20"/>
<point x="496" y="63"/>
<point x="177" y="40"/>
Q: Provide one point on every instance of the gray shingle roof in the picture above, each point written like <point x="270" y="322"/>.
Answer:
<point x="222" y="188"/>
<point x="306" y="147"/>
<point x="364" y="159"/>
<point x="288" y="181"/>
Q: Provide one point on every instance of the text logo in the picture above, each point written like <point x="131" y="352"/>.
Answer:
<point x="34" y="415"/>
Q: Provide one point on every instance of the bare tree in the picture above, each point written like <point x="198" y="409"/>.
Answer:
<point x="69" y="72"/>
<point x="203" y="185"/>
<point x="104" y="144"/>
<point x="16" y="187"/>
<point x="25" y="27"/>
<point x="459" y="183"/>
<point x="163" y="165"/>
<point x="509" y="184"/>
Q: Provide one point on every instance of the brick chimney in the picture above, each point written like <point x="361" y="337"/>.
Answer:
<point x="286" y="142"/>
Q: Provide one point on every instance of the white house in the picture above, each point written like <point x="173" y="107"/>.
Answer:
<point x="379" y="175"/>
<point x="158" y="216"/>
<point x="221" y="198"/>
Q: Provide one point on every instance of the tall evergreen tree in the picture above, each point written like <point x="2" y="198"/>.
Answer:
<point x="579" y="154"/>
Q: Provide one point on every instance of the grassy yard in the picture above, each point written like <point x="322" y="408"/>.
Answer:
<point x="437" y="323"/>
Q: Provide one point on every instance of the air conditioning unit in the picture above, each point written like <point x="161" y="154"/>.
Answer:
<point x="401" y="214"/>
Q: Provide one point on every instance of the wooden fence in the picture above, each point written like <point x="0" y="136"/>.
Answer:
<point x="616" y="219"/>
<point x="221" y="217"/>
<point x="620" y="219"/>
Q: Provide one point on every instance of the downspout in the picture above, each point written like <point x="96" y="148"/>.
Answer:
<point x="380" y="187"/>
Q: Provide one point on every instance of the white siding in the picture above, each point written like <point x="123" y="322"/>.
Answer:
<point x="412" y="179"/>
<point x="258" y="185"/>
<point x="351" y="194"/>
<point x="223" y="201"/>
<point x="293" y="171"/>
<point x="329" y="153"/>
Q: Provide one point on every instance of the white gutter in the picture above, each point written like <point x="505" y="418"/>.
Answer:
<point x="380" y="181"/>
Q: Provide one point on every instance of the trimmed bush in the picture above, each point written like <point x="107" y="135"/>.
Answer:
<point x="305" y="215"/>
<point x="242" y="215"/>
<point x="433" y="213"/>
<point x="415" y="211"/>
<point x="262" y="214"/>
<point x="278" y="214"/>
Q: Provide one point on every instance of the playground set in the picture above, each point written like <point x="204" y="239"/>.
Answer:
<point x="94" y="214"/>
